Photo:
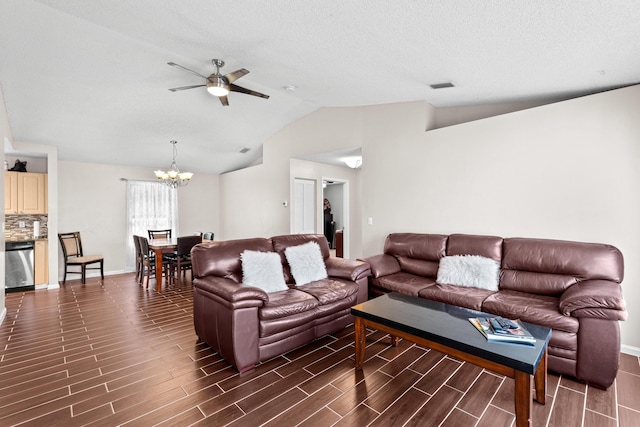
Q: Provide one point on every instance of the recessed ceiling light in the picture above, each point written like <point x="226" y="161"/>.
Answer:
<point x="441" y="85"/>
<point x="244" y="150"/>
<point x="290" y="88"/>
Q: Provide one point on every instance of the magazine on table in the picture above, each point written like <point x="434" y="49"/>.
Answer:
<point x="499" y="329"/>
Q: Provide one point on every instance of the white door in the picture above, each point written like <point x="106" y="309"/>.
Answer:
<point x="305" y="206"/>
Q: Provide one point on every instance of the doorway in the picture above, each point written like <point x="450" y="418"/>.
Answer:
<point x="335" y="214"/>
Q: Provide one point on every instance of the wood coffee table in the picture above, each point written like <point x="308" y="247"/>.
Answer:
<point x="446" y="328"/>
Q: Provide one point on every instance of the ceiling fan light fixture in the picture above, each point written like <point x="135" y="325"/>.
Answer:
<point x="217" y="86"/>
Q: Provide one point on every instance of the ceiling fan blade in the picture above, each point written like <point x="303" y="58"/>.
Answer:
<point x="232" y="77"/>
<point x="173" y="64"/>
<point x="185" y="88"/>
<point x="236" y="88"/>
<point x="224" y="101"/>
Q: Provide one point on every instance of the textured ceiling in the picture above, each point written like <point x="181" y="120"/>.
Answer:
<point x="91" y="77"/>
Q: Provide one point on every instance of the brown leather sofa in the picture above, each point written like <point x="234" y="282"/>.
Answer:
<point x="246" y="325"/>
<point x="571" y="287"/>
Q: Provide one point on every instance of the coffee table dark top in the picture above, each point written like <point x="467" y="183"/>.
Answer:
<point x="449" y="325"/>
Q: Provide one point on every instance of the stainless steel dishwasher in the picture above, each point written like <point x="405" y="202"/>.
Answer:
<point x="19" y="266"/>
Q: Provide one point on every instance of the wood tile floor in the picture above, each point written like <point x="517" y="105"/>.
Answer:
<point x="118" y="354"/>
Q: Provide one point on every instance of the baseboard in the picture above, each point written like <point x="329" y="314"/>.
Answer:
<point x="94" y="274"/>
<point x="627" y="349"/>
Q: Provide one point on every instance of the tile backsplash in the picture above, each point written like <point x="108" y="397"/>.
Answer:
<point x="12" y="227"/>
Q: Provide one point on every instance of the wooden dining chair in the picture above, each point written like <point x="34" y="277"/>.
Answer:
<point x="148" y="261"/>
<point x="74" y="257"/>
<point x="180" y="261"/>
<point x="159" y="234"/>
<point x="139" y="258"/>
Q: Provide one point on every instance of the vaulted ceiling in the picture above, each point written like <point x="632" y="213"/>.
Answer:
<point x="91" y="77"/>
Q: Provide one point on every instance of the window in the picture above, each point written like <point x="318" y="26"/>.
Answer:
<point x="150" y="205"/>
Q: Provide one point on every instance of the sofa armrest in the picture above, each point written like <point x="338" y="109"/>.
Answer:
<point x="600" y="299"/>
<point x="232" y="292"/>
<point x="226" y="317"/>
<point x="349" y="269"/>
<point x="382" y="265"/>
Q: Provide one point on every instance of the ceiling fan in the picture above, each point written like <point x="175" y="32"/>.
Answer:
<point x="220" y="85"/>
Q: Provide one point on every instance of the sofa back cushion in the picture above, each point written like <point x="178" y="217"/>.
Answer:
<point x="548" y="267"/>
<point x="222" y="259"/>
<point x="417" y="254"/>
<point x="468" y="244"/>
<point x="281" y="243"/>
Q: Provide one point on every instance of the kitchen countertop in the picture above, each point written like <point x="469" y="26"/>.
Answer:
<point x="25" y="239"/>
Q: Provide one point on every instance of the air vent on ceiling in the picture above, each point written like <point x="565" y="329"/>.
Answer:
<point x="441" y="85"/>
<point x="244" y="150"/>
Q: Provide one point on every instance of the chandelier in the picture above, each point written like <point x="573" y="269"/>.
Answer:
<point x="173" y="178"/>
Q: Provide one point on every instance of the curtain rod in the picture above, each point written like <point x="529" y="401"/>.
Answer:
<point x="137" y="180"/>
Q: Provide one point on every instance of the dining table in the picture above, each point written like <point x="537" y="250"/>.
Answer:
<point x="159" y="247"/>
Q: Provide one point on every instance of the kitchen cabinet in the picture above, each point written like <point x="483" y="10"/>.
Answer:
<point x="41" y="262"/>
<point x="28" y="190"/>
<point x="10" y="193"/>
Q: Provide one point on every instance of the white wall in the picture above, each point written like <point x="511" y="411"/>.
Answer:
<point x="92" y="200"/>
<point x="6" y="136"/>
<point x="568" y="170"/>
<point x="251" y="204"/>
<point x="251" y="199"/>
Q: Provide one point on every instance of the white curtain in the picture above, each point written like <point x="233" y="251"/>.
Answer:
<point x="150" y="205"/>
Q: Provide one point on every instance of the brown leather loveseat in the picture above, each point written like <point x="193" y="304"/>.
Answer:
<point x="247" y="325"/>
<point x="571" y="287"/>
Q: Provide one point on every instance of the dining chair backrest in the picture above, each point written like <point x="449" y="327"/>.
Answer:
<point x="144" y="245"/>
<point x="207" y="236"/>
<point x="136" y="244"/>
<point x="160" y="234"/>
<point x="71" y="244"/>
<point x="186" y="243"/>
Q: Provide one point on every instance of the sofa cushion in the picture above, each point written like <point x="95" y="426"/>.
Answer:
<point x="262" y="270"/>
<point x="539" y="309"/>
<point x="287" y="303"/>
<point x="281" y="243"/>
<point x="418" y="267"/>
<point x="404" y="283"/>
<point x="328" y="291"/>
<point x="428" y="247"/>
<point x="222" y="259"/>
<point x="581" y="260"/>
<point x="456" y="295"/>
<point x="486" y="246"/>
<point x="306" y="263"/>
<point x="470" y="271"/>
<point x="536" y="283"/>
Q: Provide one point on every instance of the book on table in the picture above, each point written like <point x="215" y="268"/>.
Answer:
<point x="498" y="329"/>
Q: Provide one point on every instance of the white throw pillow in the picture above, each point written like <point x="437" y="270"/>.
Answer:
<point x="263" y="270"/>
<point x="469" y="270"/>
<point x="306" y="263"/>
